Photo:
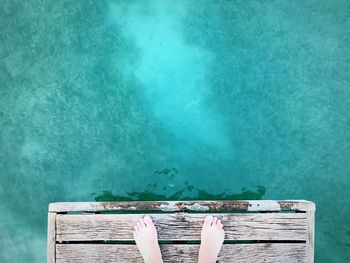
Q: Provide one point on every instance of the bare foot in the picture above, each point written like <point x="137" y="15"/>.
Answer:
<point x="146" y="238"/>
<point x="212" y="238"/>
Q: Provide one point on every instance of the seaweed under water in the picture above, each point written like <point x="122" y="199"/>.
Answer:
<point x="188" y="192"/>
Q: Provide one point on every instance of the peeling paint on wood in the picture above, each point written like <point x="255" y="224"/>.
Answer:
<point x="290" y="236"/>
<point x="51" y="238"/>
<point x="184" y="206"/>
<point x="243" y="253"/>
<point x="267" y="205"/>
<point x="248" y="226"/>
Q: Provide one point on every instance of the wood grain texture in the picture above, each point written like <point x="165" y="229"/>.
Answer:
<point x="183" y="221"/>
<point x="310" y="239"/>
<point x="243" y="253"/>
<point x="51" y="237"/>
<point x="185" y="206"/>
<point x="183" y="226"/>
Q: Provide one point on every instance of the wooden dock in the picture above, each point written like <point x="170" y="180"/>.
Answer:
<point x="255" y="231"/>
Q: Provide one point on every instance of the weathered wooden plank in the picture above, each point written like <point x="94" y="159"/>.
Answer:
<point x="183" y="226"/>
<point x="243" y="253"/>
<point x="186" y="206"/>
<point x="51" y="237"/>
<point x="310" y="239"/>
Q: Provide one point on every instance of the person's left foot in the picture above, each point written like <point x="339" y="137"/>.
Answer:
<point x="146" y="239"/>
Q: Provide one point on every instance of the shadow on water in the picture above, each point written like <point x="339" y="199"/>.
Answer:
<point x="188" y="192"/>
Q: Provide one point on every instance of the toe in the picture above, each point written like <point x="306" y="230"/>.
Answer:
<point x="136" y="228"/>
<point x="134" y="234"/>
<point x="148" y="221"/>
<point x="208" y="220"/>
<point x="139" y="225"/>
<point x="142" y="222"/>
<point x="215" y="219"/>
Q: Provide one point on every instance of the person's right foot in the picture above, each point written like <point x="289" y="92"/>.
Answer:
<point x="212" y="238"/>
<point x="146" y="239"/>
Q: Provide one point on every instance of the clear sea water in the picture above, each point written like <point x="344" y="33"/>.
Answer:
<point x="150" y="100"/>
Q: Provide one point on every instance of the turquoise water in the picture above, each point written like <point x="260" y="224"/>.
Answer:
<point x="147" y="100"/>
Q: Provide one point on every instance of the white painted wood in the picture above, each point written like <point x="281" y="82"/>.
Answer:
<point x="310" y="240"/>
<point x="51" y="238"/>
<point x="275" y="224"/>
<point x="186" y="206"/>
<point x="242" y="253"/>
<point x="183" y="226"/>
